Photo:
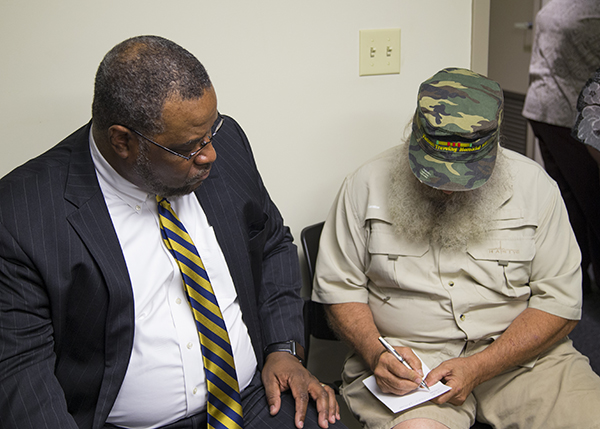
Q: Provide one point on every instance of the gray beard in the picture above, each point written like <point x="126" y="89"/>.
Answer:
<point x="143" y="168"/>
<point x="422" y="213"/>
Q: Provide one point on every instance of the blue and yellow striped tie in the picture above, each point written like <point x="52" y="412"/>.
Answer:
<point x="224" y="406"/>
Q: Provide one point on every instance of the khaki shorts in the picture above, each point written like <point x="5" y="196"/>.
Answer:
<point x="560" y="391"/>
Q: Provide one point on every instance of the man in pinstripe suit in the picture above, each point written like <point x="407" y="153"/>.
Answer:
<point x="95" y="331"/>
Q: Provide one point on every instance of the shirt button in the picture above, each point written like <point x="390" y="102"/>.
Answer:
<point x="190" y="345"/>
<point x="450" y="283"/>
<point x="178" y="301"/>
<point x="195" y="390"/>
<point x="138" y="208"/>
<point x="462" y="317"/>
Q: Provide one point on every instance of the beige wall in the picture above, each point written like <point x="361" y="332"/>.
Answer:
<point x="480" y="36"/>
<point x="287" y="71"/>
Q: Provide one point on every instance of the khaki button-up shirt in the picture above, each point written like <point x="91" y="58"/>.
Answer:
<point x="435" y="300"/>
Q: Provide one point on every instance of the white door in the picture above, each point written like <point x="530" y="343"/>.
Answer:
<point x="510" y="41"/>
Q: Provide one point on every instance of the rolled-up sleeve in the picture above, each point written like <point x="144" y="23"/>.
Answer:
<point x="555" y="273"/>
<point x="340" y="269"/>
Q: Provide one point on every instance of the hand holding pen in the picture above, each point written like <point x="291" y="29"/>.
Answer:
<point x="393" y="351"/>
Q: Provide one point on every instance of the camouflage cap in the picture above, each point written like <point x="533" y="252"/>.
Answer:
<point x="455" y="130"/>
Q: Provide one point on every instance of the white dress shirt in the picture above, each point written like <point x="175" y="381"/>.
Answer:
<point x="165" y="378"/>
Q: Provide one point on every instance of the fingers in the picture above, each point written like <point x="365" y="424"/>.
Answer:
<point x="455" y="396"/>
<point x="442" y="399"/>
<point x="327" y="406"/>
<point x="393" y="377"/>
<point x="435" y="375"/>
<point x="334" y="407"/>
<point x="282" y="372"/>
<point x="301" y="398"/>
<point x="328" y="409"/>
<point x="455" y="374"/>
<point x="412" y="359"/>
<point x="272" y="392"/>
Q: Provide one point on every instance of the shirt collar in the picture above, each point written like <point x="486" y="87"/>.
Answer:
<point x="111" y="181"/>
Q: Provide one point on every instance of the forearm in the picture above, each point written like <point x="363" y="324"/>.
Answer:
<point x="530" y="334"/>
<point x="277" y="267"/>
<point x="353" y="322"/>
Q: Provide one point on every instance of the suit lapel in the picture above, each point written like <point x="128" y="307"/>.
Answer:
<point x="91" y="221"/>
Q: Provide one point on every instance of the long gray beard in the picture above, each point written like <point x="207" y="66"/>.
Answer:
<point x="420" y="212"/>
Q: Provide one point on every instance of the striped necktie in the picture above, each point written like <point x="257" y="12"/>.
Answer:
<point x="224" y="407"/>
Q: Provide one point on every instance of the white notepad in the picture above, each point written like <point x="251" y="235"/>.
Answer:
<point x="400" y="403"/>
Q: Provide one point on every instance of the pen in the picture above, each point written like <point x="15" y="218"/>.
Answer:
<point x="390" y="349"/>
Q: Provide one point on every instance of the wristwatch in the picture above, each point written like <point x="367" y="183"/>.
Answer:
<point x="290" y="346"/>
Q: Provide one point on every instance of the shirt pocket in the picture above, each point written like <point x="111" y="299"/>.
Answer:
<point x="390" y="254"/>
<point x="501" y="263"/>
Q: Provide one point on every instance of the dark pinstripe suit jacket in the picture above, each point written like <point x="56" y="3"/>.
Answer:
<point x="66" y="304"/>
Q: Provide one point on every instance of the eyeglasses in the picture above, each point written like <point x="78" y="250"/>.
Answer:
<point x="213" y="130"/>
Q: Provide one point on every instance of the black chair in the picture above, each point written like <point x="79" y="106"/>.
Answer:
<point x="315" y="320"/>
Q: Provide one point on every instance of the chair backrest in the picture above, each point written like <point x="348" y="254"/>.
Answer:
<point x="310" y="245"/>
<point x="315" y="320"/>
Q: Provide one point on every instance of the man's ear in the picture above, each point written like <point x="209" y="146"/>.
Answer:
<point x="122" y="141"/>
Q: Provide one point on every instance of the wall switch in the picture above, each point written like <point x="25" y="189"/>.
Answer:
<point x="379" y="52"/>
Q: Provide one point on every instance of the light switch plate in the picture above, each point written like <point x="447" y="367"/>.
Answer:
<point x="379" y="52"/>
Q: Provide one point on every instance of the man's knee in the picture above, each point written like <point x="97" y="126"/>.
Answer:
<point x="420" y="424"/>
